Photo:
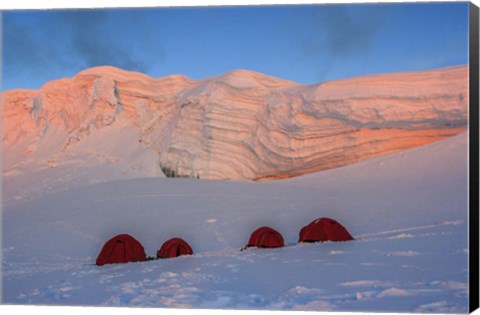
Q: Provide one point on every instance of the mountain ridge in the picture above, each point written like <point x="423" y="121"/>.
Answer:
<point x="111" y="70"/>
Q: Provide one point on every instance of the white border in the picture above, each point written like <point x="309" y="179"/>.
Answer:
<point x="64" y="4"/>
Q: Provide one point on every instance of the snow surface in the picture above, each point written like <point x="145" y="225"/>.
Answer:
<point x="96" y="159"/>
<point x="408" y="212"/>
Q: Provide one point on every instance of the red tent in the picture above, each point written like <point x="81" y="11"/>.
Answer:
<point x="174" y="247"/>
<point x="324" y="229"/>
<point x="266" y="237"/>
<point x="122" y="248"/>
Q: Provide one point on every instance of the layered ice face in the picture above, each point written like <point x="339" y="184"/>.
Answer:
<point x="240" y="125"/>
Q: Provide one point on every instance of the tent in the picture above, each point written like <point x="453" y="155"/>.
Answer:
<point x="122" y="248"/>
<point x="324" y="229"/>
<point x="174" y="247"/>
<point x="266" y="237"/>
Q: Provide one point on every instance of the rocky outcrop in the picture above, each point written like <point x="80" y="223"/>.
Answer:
<point x="238" y="125"/>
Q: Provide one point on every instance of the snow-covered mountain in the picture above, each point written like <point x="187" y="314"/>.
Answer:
<point x="238" y="125"/>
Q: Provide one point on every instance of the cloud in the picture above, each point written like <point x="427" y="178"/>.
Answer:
<point x="342" y="33"/>
<point x="39" y="43"/>
<point x="98" y="38"/>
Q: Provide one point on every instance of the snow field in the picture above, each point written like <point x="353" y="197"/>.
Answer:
<point x="408" y="212"/>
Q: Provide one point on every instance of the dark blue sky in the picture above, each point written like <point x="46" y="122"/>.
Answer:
<point x="306" y="44"/>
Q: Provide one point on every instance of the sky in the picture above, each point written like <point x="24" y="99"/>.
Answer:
<point x="303" y="43"/>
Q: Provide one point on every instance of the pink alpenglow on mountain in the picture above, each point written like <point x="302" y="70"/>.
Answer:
<point x="240" y="125"/>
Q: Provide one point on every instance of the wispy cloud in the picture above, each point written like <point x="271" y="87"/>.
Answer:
<point x="78" y="39"/>
<point x="95" y="42"/>
<point x="342" y="34"/>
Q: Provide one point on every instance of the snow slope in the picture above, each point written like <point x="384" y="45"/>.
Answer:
<point x="408" y="212"/>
